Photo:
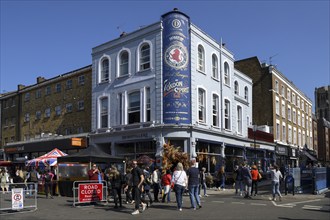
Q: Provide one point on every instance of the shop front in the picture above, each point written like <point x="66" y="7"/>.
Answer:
<point x="282" y="155"/>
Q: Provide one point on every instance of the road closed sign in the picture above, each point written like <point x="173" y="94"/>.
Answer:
<point x="17" y="198"/>
<point x="90" y="192"/>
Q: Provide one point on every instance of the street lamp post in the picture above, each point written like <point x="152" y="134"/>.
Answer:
<point x="255" y="127"/>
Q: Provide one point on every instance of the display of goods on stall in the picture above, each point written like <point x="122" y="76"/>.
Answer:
<point x="172" y="156"/>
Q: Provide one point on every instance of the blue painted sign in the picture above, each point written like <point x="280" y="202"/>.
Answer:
<point x="176" y="69"/>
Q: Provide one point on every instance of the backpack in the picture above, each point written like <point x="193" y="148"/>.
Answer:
<point x="33" y="177"/>
<point x="48" y="178"/>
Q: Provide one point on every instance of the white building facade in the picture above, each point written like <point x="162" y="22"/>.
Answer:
<point x="170" y="82"/>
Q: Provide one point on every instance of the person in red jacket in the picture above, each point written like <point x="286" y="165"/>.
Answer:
<point x="166" y="182"/>
<point x="93" y="173"/>
<point x="255" y="179"/>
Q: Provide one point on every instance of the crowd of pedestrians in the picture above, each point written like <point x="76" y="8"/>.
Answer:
<point x="28" y="178"/>
<point x="138" y="183"/>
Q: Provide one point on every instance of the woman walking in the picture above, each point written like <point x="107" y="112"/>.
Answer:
<point x="276" y="176"/>
<point x="180" y="182"/>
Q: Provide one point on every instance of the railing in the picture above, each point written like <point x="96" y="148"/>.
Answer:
<point x="89" y="192"/>
<point x="20" y="197"/>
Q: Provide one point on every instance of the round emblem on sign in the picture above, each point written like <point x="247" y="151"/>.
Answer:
<point x="176" y="23"/>
<point x="176" y="56"/>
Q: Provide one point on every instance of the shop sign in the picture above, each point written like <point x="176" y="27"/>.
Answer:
<point x="90" y="192"/>
<point x="281" y="150"/>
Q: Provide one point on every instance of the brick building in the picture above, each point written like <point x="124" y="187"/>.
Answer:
<point x="278" y="103"/>
<point x="45" y="115"/>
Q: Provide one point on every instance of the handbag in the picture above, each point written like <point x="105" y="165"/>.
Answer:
<point x="259" y="176"/>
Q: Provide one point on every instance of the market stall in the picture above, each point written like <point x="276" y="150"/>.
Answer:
<point x="75" y="167"/>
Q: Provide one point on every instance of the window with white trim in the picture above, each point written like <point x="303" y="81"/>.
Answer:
<point x="69" y="84"/>
<point x="227" y="114"/>
<point x="239" y="120"/>
<point x="68" y="107"/>
<point x="246" y="93"/>
<point x="227" y="73"/>
<point x="144" y="56"/>
<point x="284" y="133"/>
<point x="47" y="112"/>
<point x="58" y="87"/>
<point x="105" y="70"/>
<point x="201" y="105"/>
<point x="277" y="107"/>
<point x="215" y="112"/>
<point x="215" y="66"/>
<point x="289" y="113"/>
<point x="277" y="131"/>
<point x="276" y="86"/>
<point x="104" y="112"/>
<point x="283" y="109"/>
<point x="38" y="115"/>
<point x="236" y="88"/>
<point x="290" y="134"/>
<point x="123" y="63"/>
<point x="58" y="110"/>
<point x="81" y="80"/>
<point x="148" y="104"/>
<point x="81" y="105"/>
<point x="134" y="109"/>
<point x="201" y="58"/>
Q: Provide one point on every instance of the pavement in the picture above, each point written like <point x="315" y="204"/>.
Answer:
<point x="62" y="207"/>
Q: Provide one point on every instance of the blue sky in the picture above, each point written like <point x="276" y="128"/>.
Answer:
<point x="49" y="38"/>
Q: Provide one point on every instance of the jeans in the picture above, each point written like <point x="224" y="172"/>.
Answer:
<point x="238" y="186"/>
<point x="222" y="183"/>
<point x="193" y="194"/>
<point x="178" y="194"/>
<point x="33" y="187"/>
<point x="276" y="189"/>
<point x="204" y="188"/>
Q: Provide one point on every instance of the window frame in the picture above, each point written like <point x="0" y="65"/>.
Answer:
<point x="226" y="73"/>
<point x="147" y="57"/>
<point x="201" y="105"/>
<point x="200" y="58"/>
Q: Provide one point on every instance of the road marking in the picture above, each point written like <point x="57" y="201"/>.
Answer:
<point x="219" y="201"/>
<point x="311" y="207"/>
<point x="261" y="204"/>
<point x="238" y="203"/>
<point x="294" y="203"/>
<point x="282" y="205"/>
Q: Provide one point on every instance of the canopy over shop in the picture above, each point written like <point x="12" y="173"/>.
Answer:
<point x="75" y="167"/>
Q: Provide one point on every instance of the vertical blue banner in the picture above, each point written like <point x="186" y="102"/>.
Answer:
<point x="176" y="69"/>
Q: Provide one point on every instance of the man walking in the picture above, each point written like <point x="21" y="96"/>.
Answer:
<point x="193" y="182"/>
<point x="137" y="180"/>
